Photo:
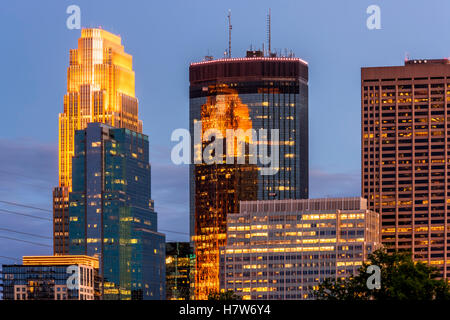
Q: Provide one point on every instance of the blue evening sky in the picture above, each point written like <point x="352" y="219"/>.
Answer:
<point x="164" y="37"/>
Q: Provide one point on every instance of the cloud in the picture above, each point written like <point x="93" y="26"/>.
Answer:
<point x="170" y="191"/>
<point x="330" y="184"/>
<point x="28" y="172"/>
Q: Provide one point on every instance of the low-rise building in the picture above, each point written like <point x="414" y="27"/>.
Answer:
<point x="282" y="249"/>
<point x="66" y="277"/>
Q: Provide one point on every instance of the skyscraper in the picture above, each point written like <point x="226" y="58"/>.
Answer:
<point x="405" y="156"/>
<point x="111" y="212"/>
<point x="255" y="92"/>
<point x="100" y="88"/>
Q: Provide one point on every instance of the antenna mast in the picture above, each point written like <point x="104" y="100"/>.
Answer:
<point x="229" y="33"/>
<point x="269" y="33"/>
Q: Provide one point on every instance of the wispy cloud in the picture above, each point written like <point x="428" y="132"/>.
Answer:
<point x="170" y="190"/>
<point x="324" y="183"/>
<point x="28" y="171"/>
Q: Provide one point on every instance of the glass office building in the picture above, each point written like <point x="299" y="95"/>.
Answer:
<point x="111" y="212"/>
<point x="256" y="92"/>
<point x="179" y="270"/>
<point x="47" y="278"/>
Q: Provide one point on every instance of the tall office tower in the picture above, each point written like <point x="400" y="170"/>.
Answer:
<point x="405" y="156"/>
<point x="111" y="213"/>
<point x="180" y="262"/>
<point x="219" y="187"/>
<point x="255" y="92"/>
<point x="47" y="278"/>
<point x="282" y="249"/>
<point x="100" y="88"/>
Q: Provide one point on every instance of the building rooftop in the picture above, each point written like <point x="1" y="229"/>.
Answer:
<point x="348" y="203"/>
<point x="427" y="61"/>
<point x="255" y="57"/>
<point x="60" y="260"/>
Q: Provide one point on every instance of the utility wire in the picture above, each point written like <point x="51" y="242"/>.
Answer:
<point x="171" y="231"/>
<point x="10" y="258"/>
<point x="26" y="233"/>
<point x="46" y="210"/>
<point x="24" y="205"/>
<point x="24" y="214"/>
<point x="30" y="242"/>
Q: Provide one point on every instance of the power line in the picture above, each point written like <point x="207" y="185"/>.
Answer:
<point x="24" y="205"/>
<point x="24" y="214"/>
<point x="171" y="231"/>
<point x="10" y="258"/>
<point x="26" y="233"/>
<point x="30" y="242"/>
<point x="46" y="210"/>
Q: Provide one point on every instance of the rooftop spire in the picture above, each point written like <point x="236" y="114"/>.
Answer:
<point x="269" y="33"/>
<point x="229" y="34"/>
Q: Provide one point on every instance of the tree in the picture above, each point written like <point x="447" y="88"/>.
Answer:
<point x="228" y="295"/>
<point x="401" y="279"/>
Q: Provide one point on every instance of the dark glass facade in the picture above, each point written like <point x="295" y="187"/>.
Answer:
<point x="49" y="282"/>
<point x="273" y="92"/>
<point x="179" y="270"/>
<point x="111" y="212"/>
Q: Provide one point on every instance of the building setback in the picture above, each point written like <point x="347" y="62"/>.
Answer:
<point x="47" y="278"/>
<point x="254" y="92"/>
<point x="100" y="88"/>
<point x="282" y="249"/>
<point x="405" y="156"/>
<point x="111" y="212"/>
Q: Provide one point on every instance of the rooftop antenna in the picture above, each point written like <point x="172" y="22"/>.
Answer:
<point x="269" y="33"/>
<point x="229" y="33"/>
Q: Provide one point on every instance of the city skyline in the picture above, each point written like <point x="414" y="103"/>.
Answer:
<point x="44" y="147"/>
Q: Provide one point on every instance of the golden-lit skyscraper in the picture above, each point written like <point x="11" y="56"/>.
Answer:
<point x="100" y="88"/>
<point x="219" y="187"/>
<point x="261" y="91"/>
